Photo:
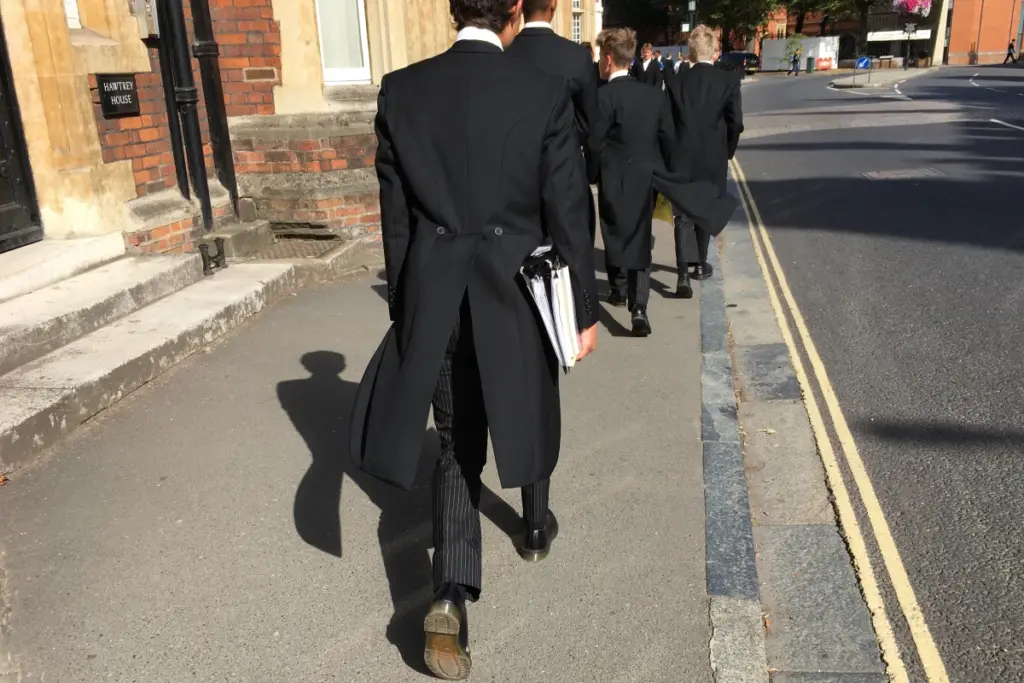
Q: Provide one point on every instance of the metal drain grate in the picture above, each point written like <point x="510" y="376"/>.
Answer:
<point x="906" y="174"/>
<point x="297" y="249"/>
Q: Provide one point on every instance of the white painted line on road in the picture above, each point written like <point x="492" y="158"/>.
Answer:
<point x="972" y="81"/>
<point x="1008" y="125"/>
<point x="931" y="660"/>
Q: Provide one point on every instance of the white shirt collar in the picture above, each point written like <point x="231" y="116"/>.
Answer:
<point x="618" y="74"/>
<point x="474" y="33"/>
<point x="539" y="24"/>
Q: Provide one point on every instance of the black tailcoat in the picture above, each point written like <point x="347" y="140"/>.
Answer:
<point x="708" y="113"/>
<point x="558" y="56"/>
<point x="479" y="163"/>
<point x="635" y="141"/>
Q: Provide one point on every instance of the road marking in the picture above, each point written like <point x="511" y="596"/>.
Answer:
<point x="972" y="81"/>
<point x="847" y="517"/>
<point x="1008" y="125"/>
<point x="931" y="660"/>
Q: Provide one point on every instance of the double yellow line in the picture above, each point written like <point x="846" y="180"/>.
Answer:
<point x="775" y="278"/>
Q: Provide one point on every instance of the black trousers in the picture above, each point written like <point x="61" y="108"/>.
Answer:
<point x="461" y="423"/>
<point x="683" y="255"/>
<point x="637" y="284"/>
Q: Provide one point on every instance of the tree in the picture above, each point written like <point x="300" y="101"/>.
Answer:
<point x="649" y="18"/>
<point x="861" y="10"/>
<point x="743" y="19"/>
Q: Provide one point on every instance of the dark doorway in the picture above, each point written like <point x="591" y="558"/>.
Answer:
<point x="19" y="218"/>
<point x="847" y="46"/>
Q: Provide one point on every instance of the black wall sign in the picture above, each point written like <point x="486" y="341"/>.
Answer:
<point x="119" y="95"/>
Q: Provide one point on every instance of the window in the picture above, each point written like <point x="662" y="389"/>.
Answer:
<point x="577" y="27"/>
<point x="576" y="5"/>
<point x="71" y="12"/>
<point x="343" y="47"/>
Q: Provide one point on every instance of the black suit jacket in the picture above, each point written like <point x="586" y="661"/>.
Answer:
<point x="708" y="113"/>
<point x="558" y="56"/>
<point x="652" y="75"/>
<point x="479" y="163"/>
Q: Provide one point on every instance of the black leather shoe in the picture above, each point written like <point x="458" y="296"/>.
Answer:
<point x="641" y="323"/>
<point x="537" y="542"/>
<point x="617" y="299"/>
<point x="684" y="290"/>
<point x="703" y="271"/>
<point x="446" y="626"/>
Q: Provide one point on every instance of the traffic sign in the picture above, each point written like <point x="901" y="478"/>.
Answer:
<point x="863" y="62"/>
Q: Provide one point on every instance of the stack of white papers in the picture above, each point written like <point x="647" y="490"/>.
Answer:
<point x="547" y="278"/>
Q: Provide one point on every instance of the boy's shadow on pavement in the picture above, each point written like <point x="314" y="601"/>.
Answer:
<point x="320" y="407"/>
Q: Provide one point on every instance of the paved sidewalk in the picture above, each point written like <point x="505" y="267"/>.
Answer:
<point x="183" y="535"/>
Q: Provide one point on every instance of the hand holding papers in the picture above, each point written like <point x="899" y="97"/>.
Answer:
<point x="547" y="279"/>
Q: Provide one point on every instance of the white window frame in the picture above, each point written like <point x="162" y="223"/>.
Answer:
<point x="577" y="27"/>
<point x="576" y="5"/>
<point x="71" y="12"/>
<point x="351" y="75"/>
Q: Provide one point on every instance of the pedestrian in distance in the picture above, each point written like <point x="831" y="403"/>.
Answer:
<point x="479" y="164"/>
<point x="794" y="62"/>
<point x="1010" y="50"/>
<point x="708" y="113"/>
<point x="647" y="70"/>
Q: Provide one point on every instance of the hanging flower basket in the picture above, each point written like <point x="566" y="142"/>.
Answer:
<point x="921" y="8"/>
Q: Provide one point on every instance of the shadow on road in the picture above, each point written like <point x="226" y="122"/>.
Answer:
<point x="319" y="408"/>
<point x="972" y="199"/>
<point x="937" y="434"/>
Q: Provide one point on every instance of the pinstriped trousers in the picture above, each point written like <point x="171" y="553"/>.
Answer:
<point x="461" y="423"/>
<point x="637" y="284"/>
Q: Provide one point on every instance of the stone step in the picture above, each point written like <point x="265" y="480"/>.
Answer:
<point x="46" y="399"/>
<point x="39" y="322"/>
<point x="41" y="264"/>
<point x="242" y="240"/>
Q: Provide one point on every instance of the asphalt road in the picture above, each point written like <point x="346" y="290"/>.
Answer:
<point x="912" y="284"/>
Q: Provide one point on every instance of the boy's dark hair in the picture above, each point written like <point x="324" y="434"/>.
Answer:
<point x="492" y="15"/>
<point x="531" y="7"/>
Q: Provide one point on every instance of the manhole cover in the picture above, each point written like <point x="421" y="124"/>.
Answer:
<point x="297" y="249"/>
<point x="906" y="174"/>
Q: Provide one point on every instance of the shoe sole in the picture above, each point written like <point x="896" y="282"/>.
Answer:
<point x="442" y="652"/>
<point x="538" y="555"/>
<point x="533" y="555"/>
<point x="702" y="276"/>
<point x="684" y="292"/>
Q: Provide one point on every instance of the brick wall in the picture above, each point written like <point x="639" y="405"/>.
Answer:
<point x="179" y="237"/>
<point x="314" y="185"/>
<point x="144" y="140"/>
<point x="305" y="155"/>
<point x="250" y="46"/>
<point x="250" y="54"/>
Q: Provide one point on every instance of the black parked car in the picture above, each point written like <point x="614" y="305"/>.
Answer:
<point x="747" y="62"/>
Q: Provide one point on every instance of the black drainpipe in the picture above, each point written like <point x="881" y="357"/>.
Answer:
<point x="206" y="51"/>
<point x="173" y="122"/>
<point x="187" y="97"/>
